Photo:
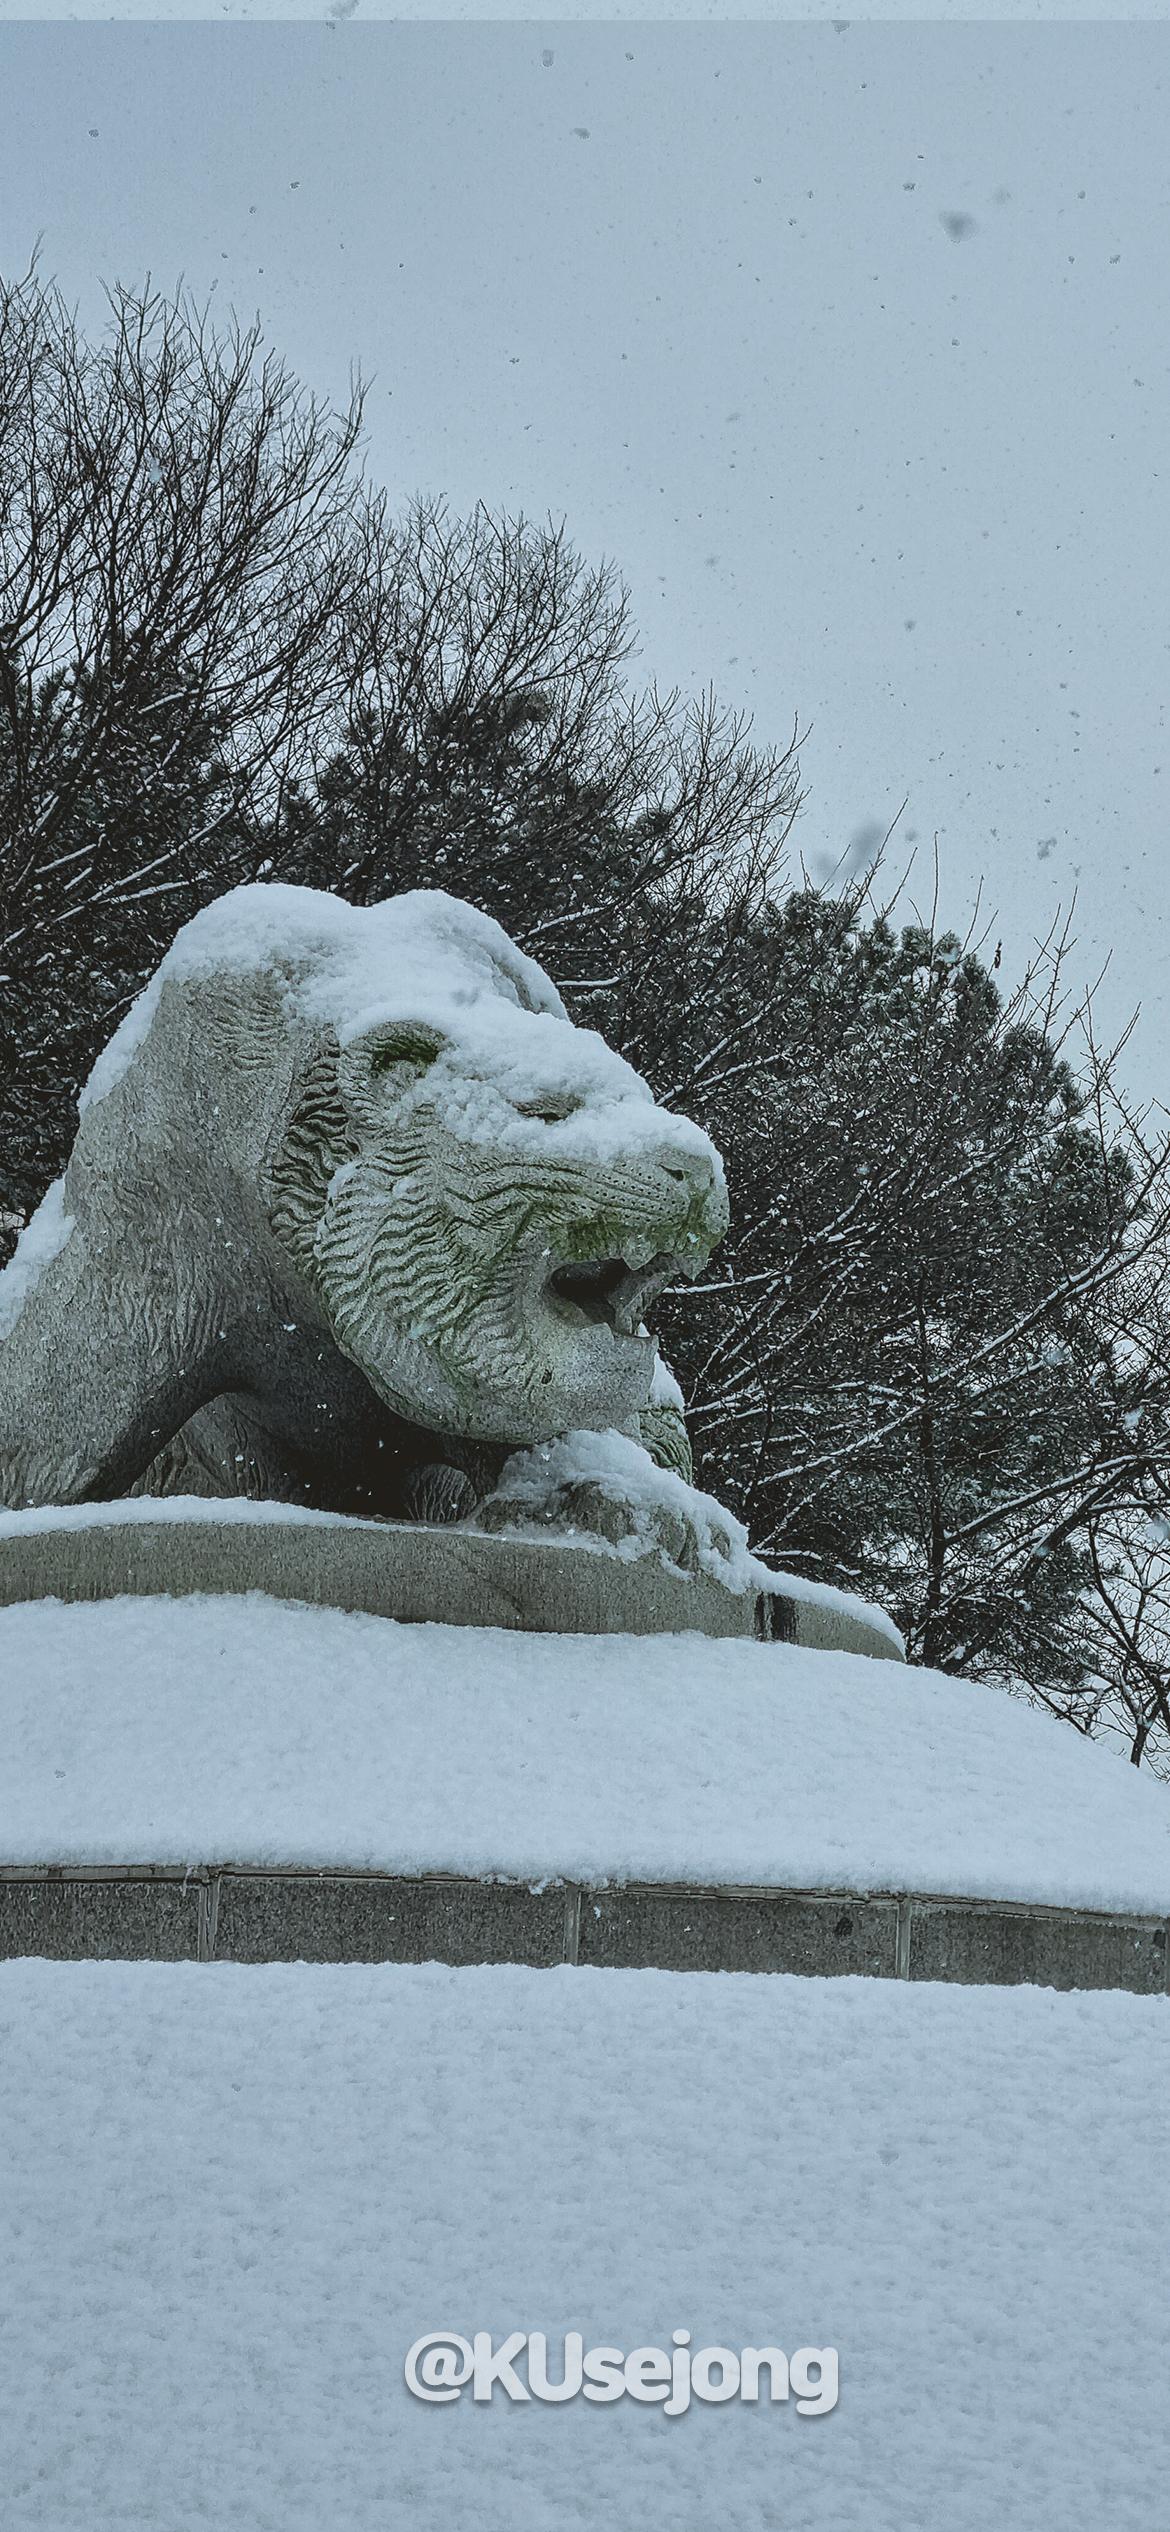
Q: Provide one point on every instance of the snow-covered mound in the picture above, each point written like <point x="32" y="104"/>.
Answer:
<point x="234" y="2198"/>
<point x="212" y="1730"/>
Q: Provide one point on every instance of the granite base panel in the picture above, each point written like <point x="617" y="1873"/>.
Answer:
<point x="236" y="1914"/>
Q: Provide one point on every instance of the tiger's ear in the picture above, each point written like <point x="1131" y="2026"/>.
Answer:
<point x="399" y="1054"/>
<point x="551" y="1108"/>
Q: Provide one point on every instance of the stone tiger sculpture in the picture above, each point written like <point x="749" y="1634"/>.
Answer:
<point x="354" y="1211"/>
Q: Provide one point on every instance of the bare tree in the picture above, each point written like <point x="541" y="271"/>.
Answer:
<point x="221" y="658"/>
<point x="180" y="525"/>
<point x="170" y="501"/>
<point x="493" y="741"/>
<point x="932" y="1354"/>
<point x="1127" y="1636"/>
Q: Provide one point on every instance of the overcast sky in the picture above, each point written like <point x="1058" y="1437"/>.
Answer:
<point x="852" y="348"/>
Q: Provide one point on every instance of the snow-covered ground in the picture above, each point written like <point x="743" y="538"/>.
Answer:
<point x="244" y="1730"/>
<point x="233" y="2198"/>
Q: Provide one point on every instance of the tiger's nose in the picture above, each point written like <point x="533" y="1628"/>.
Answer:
<point x="690" y="1170"/>
<point x="701" y="1190"/>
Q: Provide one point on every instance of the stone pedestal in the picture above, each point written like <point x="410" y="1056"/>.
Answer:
<point x="453" y="1577"/>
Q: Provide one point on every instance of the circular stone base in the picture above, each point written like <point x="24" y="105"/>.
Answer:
<point x="455" y="1577"/>
<point x="245" y="1779"/>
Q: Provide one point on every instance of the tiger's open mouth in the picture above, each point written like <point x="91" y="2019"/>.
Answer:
<point x="608" y="1292"/>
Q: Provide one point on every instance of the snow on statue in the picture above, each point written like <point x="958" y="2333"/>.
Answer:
<point x="353" y="1213"/>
